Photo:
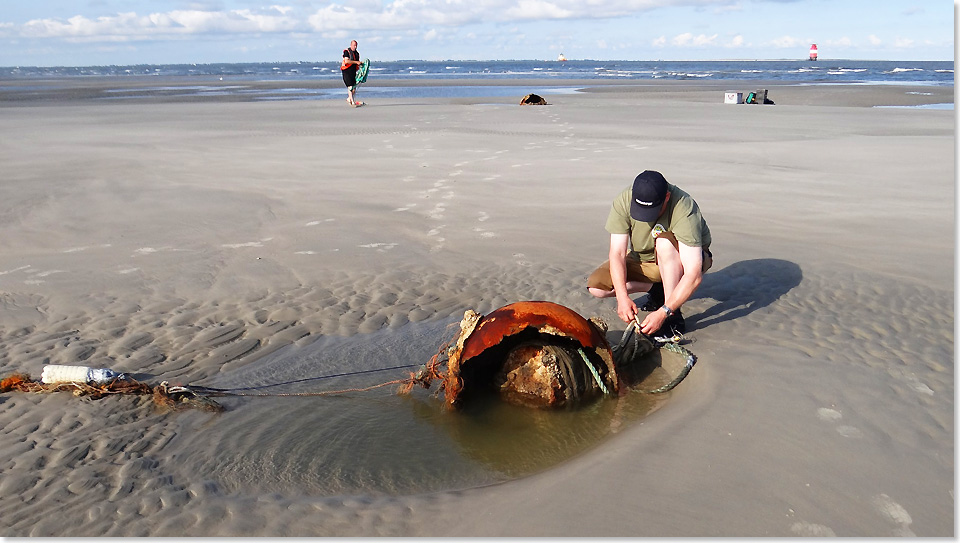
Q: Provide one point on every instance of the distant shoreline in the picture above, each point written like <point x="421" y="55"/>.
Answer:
<point x="107" y="90"/>
<point x="549" y="60"/>
<point x="799" y="70"/>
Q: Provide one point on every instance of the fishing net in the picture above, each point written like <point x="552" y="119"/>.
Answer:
<point x="164" y="396"/>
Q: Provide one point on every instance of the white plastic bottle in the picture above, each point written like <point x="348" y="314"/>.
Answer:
<point x="54" y="373"/>
<point x="100" y="376"/>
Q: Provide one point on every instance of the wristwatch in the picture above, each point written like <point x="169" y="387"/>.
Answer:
<point x="667" y="310"/>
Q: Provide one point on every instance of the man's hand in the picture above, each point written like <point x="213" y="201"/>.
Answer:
<point x="653" y="322"/>
<point x="626" y="309"/>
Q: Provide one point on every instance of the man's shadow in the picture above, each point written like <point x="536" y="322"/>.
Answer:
<point x="744" y="287"/>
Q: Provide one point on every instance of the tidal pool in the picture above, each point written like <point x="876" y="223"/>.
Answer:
<point x="380" y="443"/>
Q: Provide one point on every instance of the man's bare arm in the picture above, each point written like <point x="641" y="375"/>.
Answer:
<point x="619" y="246"/>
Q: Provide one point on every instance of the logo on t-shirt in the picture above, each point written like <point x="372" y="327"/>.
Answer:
<point x="657" y="230"/>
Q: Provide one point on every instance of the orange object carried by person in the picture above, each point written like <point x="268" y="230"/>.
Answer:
<point x="348" y="55"/>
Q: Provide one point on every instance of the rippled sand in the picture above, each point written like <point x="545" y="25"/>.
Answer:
<point x="229" y="244"/>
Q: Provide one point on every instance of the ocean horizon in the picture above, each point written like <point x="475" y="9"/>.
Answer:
<point x="798" y="71"/>
<point x="321" y="80"/>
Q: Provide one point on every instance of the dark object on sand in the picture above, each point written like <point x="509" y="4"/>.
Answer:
<point x="533" y="100"/>
<point x="758" y="97"/>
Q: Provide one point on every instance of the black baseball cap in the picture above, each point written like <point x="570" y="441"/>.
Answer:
<point x="649" y="192"/>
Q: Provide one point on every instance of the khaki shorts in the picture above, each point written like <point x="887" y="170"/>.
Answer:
<point x="645" y="272"/>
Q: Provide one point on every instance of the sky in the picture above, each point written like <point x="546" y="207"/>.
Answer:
<point x="123" y="32"/>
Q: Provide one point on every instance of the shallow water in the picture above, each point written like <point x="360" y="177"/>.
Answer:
<point x="303" y="93"/>
<point x="378" y="442"/>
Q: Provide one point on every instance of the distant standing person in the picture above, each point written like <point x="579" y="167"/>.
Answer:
<point x="671" y="250"/>
<point x="351" y="61"/>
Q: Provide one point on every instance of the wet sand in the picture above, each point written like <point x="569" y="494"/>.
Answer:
<point x="227" y="242"/>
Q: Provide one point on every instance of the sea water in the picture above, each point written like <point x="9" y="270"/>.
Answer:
<point x="472" y="72"/>
<point x="823" y="71"/>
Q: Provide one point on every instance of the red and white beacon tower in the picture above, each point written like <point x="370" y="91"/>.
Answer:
<point x="813" y="52"/>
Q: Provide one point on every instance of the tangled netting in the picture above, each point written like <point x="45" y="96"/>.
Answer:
<point x="165" y="397"/>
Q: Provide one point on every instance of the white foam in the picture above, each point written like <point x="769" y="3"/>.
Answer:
<point x="827" y="414"/>
<point x="378" y="246"/>
<point x="241" y="245"/>
<point x="21" y="268"/>
<point x="809" y="529"/>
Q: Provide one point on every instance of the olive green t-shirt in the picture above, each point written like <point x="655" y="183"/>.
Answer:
<point x="681" y="218"/>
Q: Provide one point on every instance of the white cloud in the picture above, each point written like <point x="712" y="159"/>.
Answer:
<point x="537" y="9"/>
<point x="682" y="39"/>
<point x="842" y="42"/>
<point x="156" y="25"/>
<point x="729" y="8"/>
<point x="401" y="14"/>
<point x="702" y="39"/>
<point x="787" y="42"/>
<point x="737" y="41"/>
<point x="337" y="16"/>
<point x="411" y="21"/>
<point x="687" y="40"/>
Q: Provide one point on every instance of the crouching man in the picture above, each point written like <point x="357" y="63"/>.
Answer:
<point x="670" y="244"/>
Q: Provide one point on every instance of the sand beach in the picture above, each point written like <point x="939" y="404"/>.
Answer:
<point x="228" y="242"/>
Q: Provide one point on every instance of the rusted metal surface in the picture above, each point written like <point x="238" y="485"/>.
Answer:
<point x="547" y="317"/>
<point x="528" y="377"/>
<point x="535" y="353"/>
